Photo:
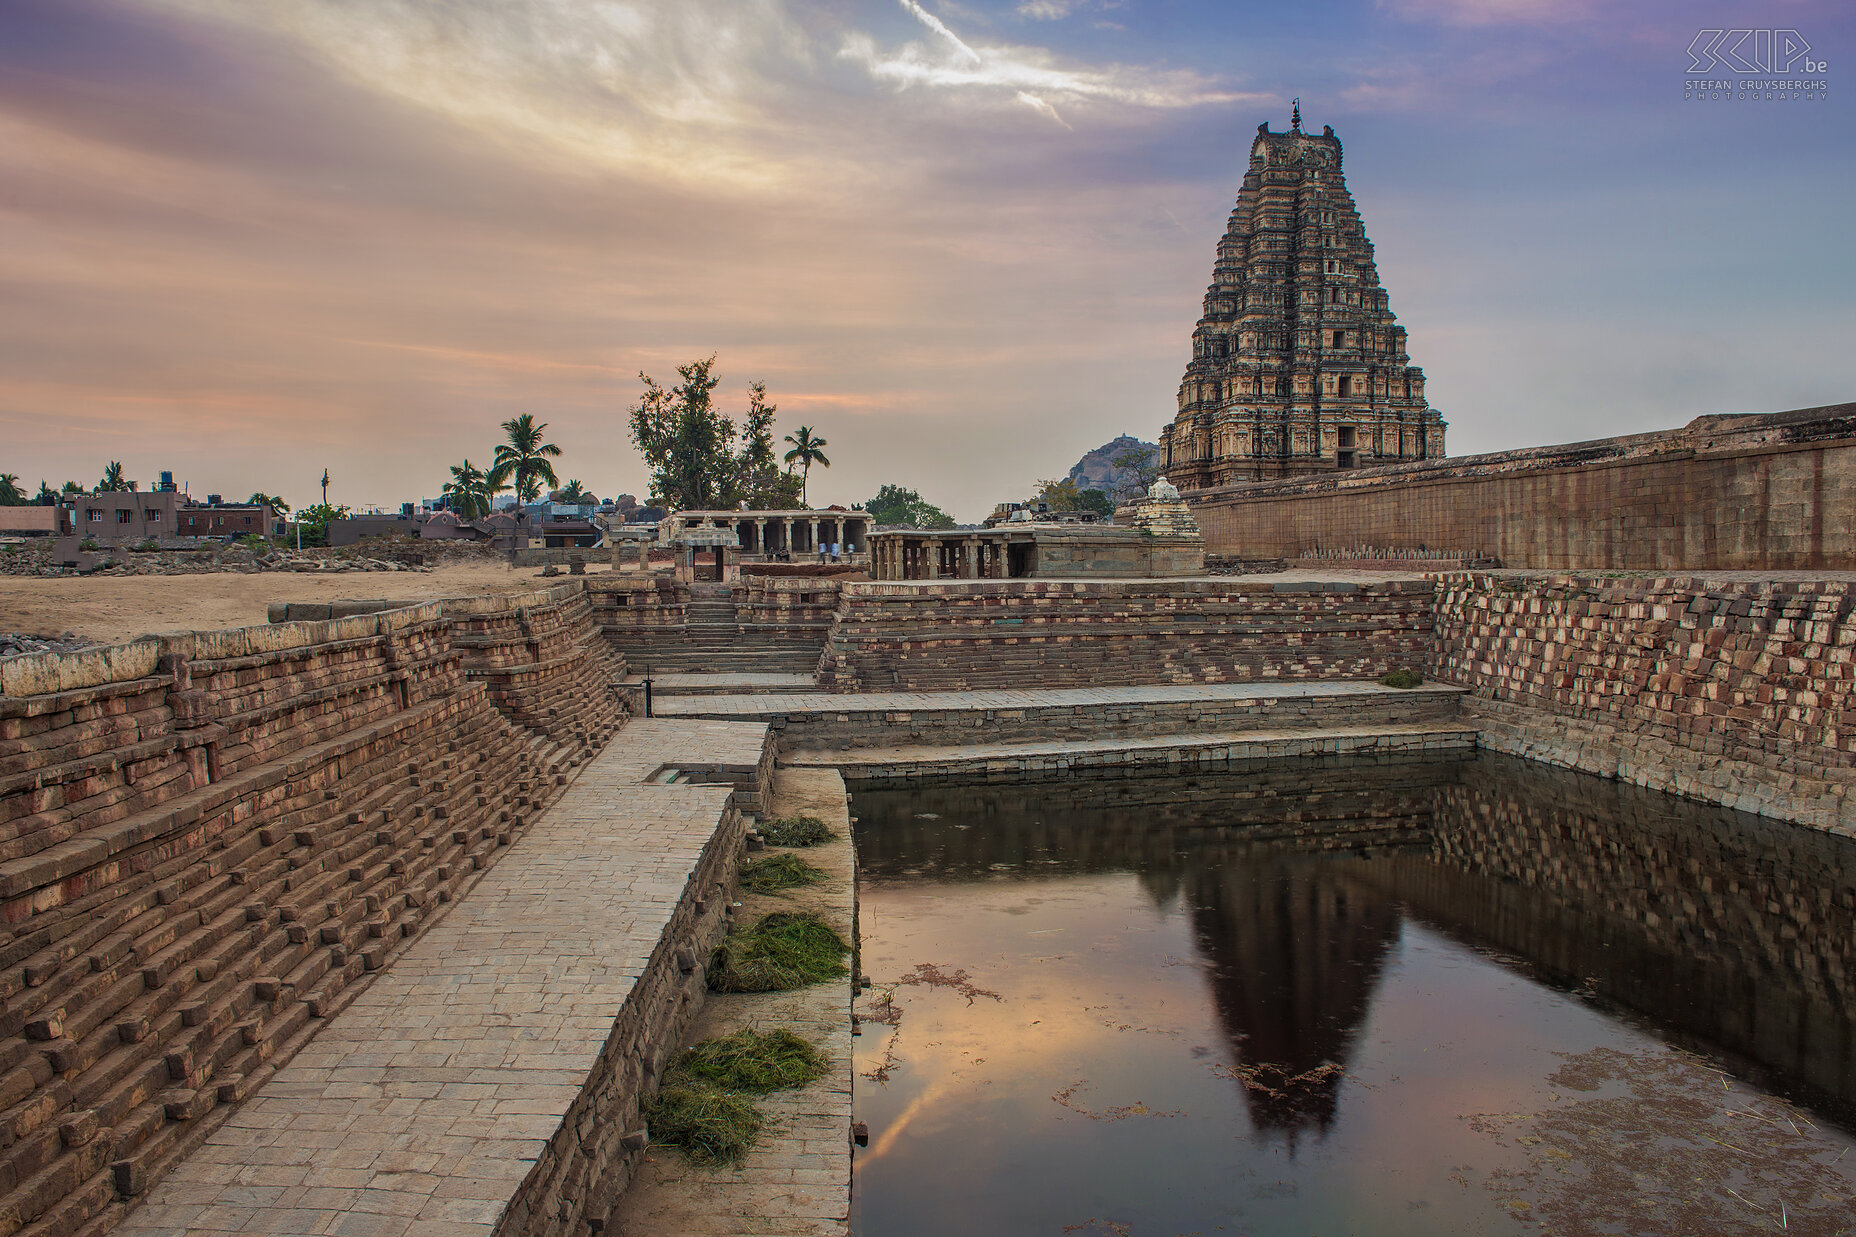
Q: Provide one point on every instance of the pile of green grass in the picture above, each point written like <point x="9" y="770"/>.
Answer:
<point x="777" y="872"/>
<point x="778" y="953"/>
<point x="796" y="831"/>
<point x="709" y="1125"/>
<point x="1402" y="678"/>
<point x="753" y="1061"/>
<point x="703" y="1108"/>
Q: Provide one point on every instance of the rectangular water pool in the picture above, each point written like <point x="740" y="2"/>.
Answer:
<point x="1350" y="997"/>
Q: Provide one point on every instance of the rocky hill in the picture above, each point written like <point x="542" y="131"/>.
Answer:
<point x="1097" y="471"/>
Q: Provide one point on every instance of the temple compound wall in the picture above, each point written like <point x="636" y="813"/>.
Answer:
<point x="1770" y="492"/>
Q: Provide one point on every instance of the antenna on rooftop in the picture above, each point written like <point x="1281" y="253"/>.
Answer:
<point x="1295" y="116"/>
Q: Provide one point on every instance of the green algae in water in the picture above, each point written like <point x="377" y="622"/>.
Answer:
<point x="778" y="953"/>
<point x="777" y="872"/>
<point x="753" y="1061"/>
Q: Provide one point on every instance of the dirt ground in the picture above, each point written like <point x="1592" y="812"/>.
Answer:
<point x="110" y="609"/>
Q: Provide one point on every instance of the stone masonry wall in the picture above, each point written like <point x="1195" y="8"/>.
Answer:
<point x="206" y="842"/>
<point x="1756" y="493"/>
<point x="1733" y="693"/>
<point x="919" y="637"/>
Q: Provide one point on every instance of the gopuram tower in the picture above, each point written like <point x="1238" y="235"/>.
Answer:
<point x="1298" y="365"/>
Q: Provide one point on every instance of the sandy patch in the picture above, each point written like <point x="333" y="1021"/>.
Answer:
<point x="115" y="608"/>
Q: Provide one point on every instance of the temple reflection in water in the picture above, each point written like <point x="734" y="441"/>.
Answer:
<point x="1732" y="935"/>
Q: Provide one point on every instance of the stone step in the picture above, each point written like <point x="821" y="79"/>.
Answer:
<point x="922" y="762"/>
<point x="1061" y="715"/>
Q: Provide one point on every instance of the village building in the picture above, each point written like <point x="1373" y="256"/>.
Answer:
<point x="1298" y="364"/>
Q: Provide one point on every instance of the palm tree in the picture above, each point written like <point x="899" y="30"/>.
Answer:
<point x="113" y="481"/>
<point x="72" y="487"/>
<point x="573" y="492"/>
<point x="325" y="487"/>
<point x="48" y="497"/>
<point x="525" y="457"/>
<point x="10" y="493"/>
<point x="278" y="506"/>
<point x="468" y="493"/>
<point x="805" y="453"/>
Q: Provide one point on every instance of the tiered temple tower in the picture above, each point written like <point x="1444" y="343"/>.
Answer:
<point x="1298" y="365"/>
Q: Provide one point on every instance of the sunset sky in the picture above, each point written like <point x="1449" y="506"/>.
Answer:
<point x="964" y="240"/>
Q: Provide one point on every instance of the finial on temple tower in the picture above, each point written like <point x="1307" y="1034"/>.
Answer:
<point x="1295" y="117"/>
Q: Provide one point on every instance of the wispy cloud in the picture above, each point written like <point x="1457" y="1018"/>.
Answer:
<point x="1033" y="77"/>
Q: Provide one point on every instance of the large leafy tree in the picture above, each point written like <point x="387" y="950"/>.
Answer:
<point x="523" y="460"/>
<point x="807" y="451"/>
<point x="314" y="521"/>
<point x="691" y="448"/>
<point x="1066" y="495"/>
<point x="113" y="481"/>
<point x="894" y="505"/>
<point x="1137" y="469"/>
<point x="10" y="493"/>
<point x="468" y="491"/>
<point x="279" y="508"/>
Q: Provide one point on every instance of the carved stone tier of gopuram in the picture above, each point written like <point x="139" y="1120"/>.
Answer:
<point x="1298" y="365"/>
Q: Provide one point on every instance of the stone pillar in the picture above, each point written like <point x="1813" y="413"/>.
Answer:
<point x="933" y="546"/>
<point x="812" y="549"/>
<point x="760" y="538"/>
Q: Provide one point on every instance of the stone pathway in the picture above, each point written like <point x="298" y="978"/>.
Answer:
<point x="419" y="1109"/>
<point x="796" y="1181"/>
<point x="1008" y="698"/>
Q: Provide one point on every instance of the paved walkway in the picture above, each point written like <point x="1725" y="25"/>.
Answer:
<point x="796" y="1179"/>
<point x="419" y="1109"/>
<point x="1008" y="698"/>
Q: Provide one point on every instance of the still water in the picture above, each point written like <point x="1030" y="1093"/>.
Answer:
<point x="1350" y="997"/>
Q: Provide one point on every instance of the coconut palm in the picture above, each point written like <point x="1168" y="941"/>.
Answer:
<point x="468" y="493"/>
<point x="805" y="453"/>
<point x="48" y="497"/>
<point x="573" y="492"/>
<point x="113" y="481"/>
<point x="72" y="487"/>
<point x="278" y="506"/>
<point x="524" y="458"/>
<point x="10" y="493"/>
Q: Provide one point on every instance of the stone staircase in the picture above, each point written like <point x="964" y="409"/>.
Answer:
<point x="712" y="640"/>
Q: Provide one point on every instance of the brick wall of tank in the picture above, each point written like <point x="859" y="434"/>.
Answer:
<point x="1728" y="691"/>
<point x="209" y="841"/>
